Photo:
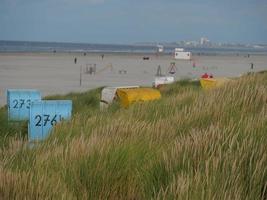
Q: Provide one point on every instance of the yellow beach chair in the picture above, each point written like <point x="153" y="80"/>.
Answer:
<point x="210" y="83"/>
<point x="129" y="96"/>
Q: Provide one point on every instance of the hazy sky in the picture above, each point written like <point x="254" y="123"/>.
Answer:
<point x="129" y="21"/>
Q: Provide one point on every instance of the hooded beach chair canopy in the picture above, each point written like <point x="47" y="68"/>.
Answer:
<point x="129" y="96"/>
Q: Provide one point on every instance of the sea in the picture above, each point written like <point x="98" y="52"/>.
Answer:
<point x="29" y="47"/>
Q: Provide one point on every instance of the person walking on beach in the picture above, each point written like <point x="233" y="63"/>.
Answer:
<point x="75" y="60"/>
<point x="102" y="56"/>
<point x="251" y="66"/>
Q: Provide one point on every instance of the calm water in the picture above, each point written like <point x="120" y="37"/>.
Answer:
<point x="19" y="46"/>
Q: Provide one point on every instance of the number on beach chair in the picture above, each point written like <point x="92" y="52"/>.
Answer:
<point x="44" y="115"/>
<point x="18" y="103"/>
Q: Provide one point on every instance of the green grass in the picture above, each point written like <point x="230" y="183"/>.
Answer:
<point x="191" y="144"/>
<point x="10" y="129"/>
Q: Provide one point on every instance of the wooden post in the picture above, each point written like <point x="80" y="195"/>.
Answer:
<point x="80" y="75"/>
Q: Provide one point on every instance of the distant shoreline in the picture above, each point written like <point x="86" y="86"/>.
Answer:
<point x="139" y="49"/>
<point x="20" y="53"/>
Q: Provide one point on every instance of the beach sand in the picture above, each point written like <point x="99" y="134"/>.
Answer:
<point x="58" y="74"/>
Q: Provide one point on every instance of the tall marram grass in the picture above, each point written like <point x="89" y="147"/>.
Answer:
<point x="191" y="144"/>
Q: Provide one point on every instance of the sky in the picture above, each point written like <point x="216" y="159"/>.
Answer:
<point x="131" y="21"/>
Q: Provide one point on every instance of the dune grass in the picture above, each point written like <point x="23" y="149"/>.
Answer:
<point x="191" y="144"/>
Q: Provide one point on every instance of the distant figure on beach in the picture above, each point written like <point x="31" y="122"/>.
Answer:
<point x="159" y="71"/>
<point x="75" y="60"/>
<point x="84" y="54"/>
<point x="194" y="64"/>
<point x="102" y="56"/>
<point x="251" y="65"/>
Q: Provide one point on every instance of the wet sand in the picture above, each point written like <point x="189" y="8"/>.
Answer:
<point x="58" y="74"/>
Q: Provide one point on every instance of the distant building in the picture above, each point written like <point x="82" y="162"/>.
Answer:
<point x="191" y="43"/>
<point x="204" y="41"/>
<point x="160" y="48"/>
<point x="180" y="54"/>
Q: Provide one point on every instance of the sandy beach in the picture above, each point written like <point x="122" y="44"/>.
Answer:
<point x="58" y="74"/>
